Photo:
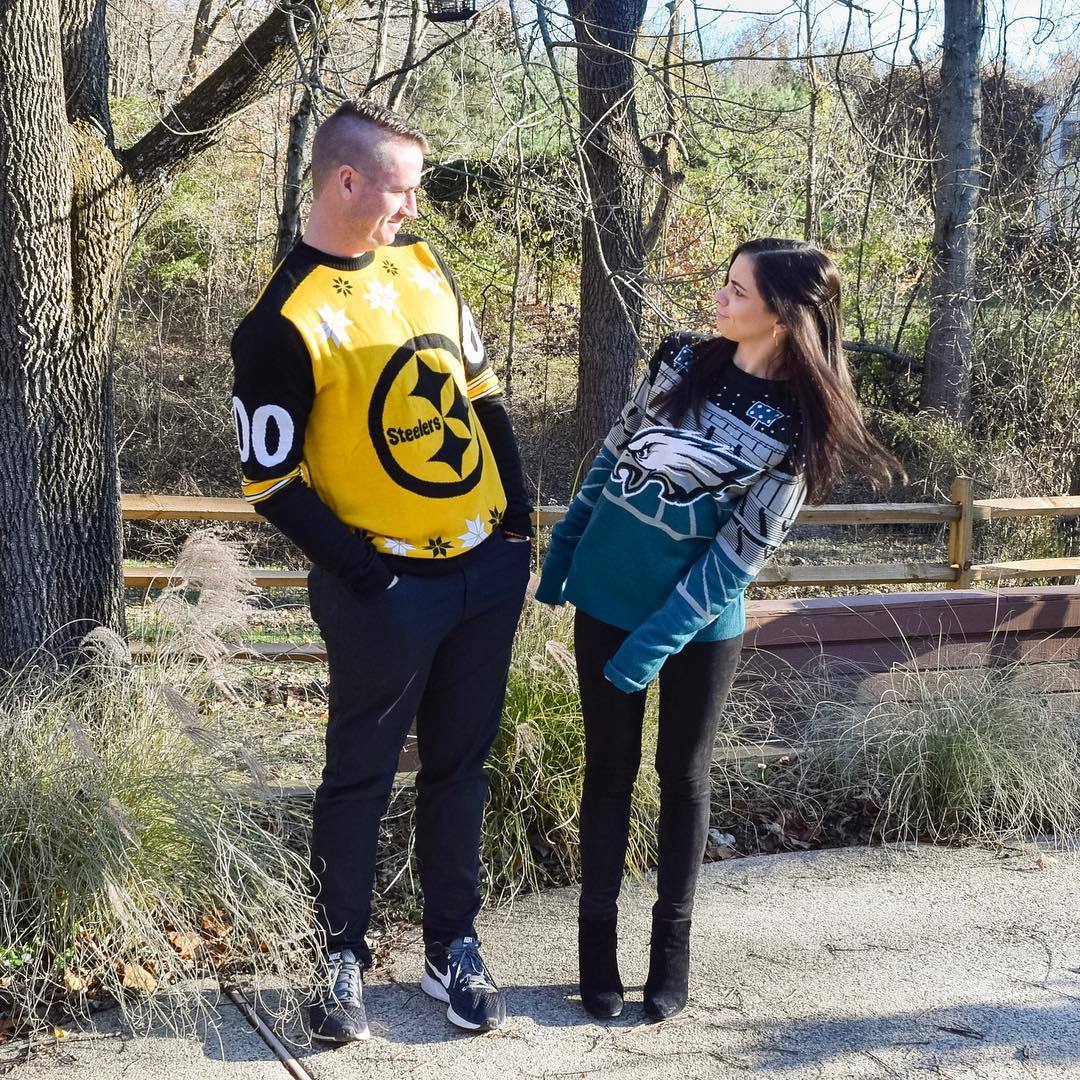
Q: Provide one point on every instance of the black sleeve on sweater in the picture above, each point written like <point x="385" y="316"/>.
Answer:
<point x="324" y="538"/>
<point x="500" y="436"/>
<point x="273" y="391"/>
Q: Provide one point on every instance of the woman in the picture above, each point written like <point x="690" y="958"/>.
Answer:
<point x="695" y="486"/>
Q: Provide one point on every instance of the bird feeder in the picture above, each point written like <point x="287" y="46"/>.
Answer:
<point x="450" y="10"/>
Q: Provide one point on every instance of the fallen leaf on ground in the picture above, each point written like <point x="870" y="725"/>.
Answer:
<point x="136" y="977"/>
<point x="186" y="943"/>
<point x="1046" y="862"/>
<point x="213" y="925"/>
<point x="72" y="981"/>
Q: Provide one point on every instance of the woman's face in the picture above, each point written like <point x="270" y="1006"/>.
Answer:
<point x="741" y="314"/>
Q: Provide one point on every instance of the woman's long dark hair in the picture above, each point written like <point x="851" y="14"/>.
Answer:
<point x="801" y="285"/>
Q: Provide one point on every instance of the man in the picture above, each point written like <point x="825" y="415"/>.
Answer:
<point x="372" y="434"/>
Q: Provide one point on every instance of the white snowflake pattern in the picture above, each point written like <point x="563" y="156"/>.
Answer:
<point x="395" y="546"/>
<point x="427" y="280"/>
<point x="382" y="295"/>
<point x="334" y="325"/>
<point x="475" y="532"/>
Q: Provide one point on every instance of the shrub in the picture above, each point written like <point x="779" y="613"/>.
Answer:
<point x="971" y="755"/>
<point x="137" y="855"/>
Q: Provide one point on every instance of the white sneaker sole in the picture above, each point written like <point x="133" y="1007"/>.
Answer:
<point x="435" y="989"/>
<point x="362" y="1037"/>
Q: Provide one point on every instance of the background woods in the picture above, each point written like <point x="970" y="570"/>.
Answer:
<point x="593" y="166"/>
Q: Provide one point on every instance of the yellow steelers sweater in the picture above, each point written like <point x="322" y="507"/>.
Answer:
<point x="363" y="382"/>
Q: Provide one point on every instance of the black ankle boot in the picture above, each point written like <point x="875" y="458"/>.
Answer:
<point x="598" y="963"/>
<point x="666" y="988"/>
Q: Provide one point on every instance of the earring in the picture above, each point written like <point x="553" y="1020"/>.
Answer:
<point x="775" y="328"/>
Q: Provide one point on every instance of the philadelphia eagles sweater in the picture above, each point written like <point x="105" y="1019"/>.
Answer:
<point x="672" y="523"/>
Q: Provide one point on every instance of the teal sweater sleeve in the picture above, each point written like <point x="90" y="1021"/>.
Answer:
<point x="747" y="538"/>
<point x="566" y="533"/>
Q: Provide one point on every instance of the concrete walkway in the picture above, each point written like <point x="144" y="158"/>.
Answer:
<point x="853" y="963"/>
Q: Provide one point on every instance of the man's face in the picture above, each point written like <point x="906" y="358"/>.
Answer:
<point x="382" y="197"/>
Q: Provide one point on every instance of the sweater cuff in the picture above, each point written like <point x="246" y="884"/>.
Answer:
<point x="519" y="522"/>
<point x="637" y="662"/>
<point x="626" y="683"/>
<point x="554" y="573"/>
<point x="375" y="579"/>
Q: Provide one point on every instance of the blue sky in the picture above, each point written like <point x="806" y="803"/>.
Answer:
<point x="1034" y="31"/>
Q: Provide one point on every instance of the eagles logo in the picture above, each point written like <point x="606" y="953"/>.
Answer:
<point x="683" y="464"/>
<point x="420" y="422"/>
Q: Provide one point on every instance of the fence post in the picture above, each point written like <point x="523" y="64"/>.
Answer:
<point x="960" y="532"/>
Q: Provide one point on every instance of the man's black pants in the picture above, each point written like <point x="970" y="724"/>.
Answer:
<point x="694" y="684"/>
<point x="433" y="648"/>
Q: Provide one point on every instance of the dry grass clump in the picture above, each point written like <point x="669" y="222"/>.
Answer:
<point x="207" y="604"/>
<point x="135" y="857"/>
<point x="971" y="755"/>
<point x="978" y="754"/>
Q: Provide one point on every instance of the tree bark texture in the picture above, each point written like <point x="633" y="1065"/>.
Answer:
<point x="70" y="205"/>
<point x="613" y="243"/>
<point x="61" y="250"/>
<point x="957" y="188"/>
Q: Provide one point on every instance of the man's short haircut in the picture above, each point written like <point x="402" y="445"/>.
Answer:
<point x="340" y="137"/>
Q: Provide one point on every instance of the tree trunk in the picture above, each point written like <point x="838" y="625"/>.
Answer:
<point x="63" y="237"/>
<point x="958" y="184"/>
<point x="810" y="212"/>
<point x="382" y="33"/>
<point x="668" y="155"/>
<point x="288" y="230"/>
<point x="201" y="33"/>
<point x="71" y="205"/>
<point x="417" y="29"/>
<point x="613" y="247"/>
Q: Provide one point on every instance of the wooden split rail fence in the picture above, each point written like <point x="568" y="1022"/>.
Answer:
<point x="955" y="571"/>
<point x="879" y="632"/>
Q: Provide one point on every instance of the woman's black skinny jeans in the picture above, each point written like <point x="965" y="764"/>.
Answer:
<point x="693" y="686"/>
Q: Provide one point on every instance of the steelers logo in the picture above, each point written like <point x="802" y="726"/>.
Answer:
<point x="420" y="422"/>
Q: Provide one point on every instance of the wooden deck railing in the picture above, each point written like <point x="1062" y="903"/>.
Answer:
<point x="955" y="571"/>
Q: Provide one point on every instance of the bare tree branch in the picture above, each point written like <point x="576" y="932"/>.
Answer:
<point x="417" y="28"/>
<point x="667" y="157"/>
<point x="198" y="121"/>
<point x="913" y="363"/>
<point x="201" y="34"/>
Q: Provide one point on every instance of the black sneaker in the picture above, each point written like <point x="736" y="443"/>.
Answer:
<point x="456" y="974"/>
<point x="340" y="1016"/>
